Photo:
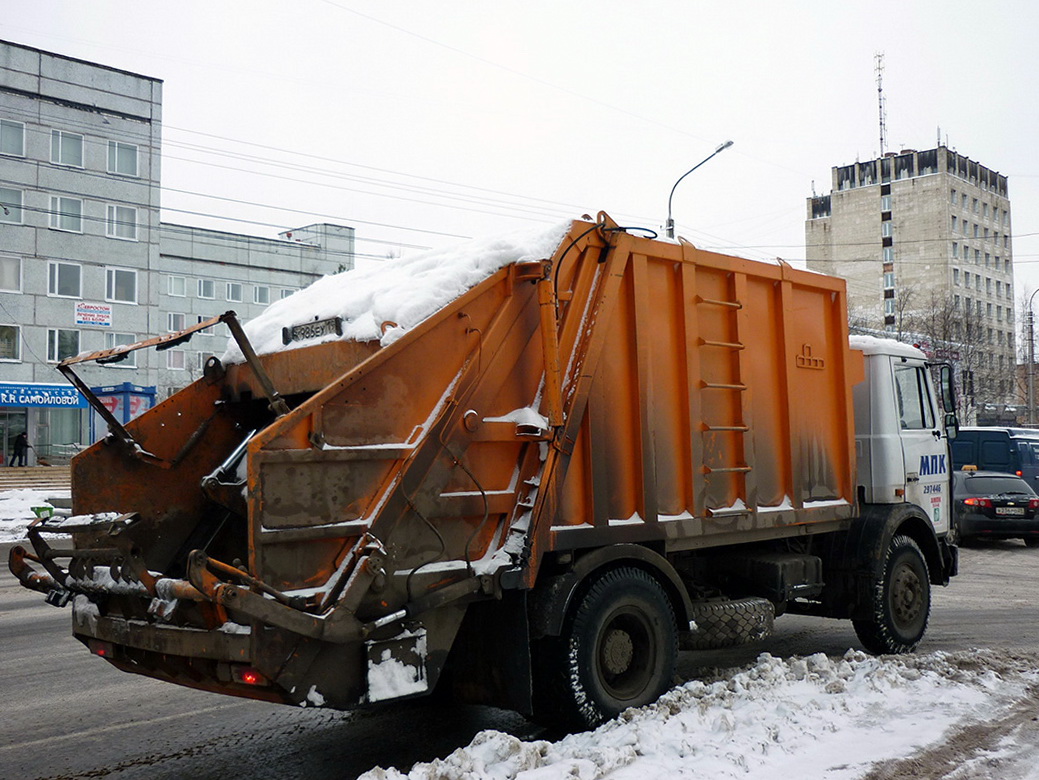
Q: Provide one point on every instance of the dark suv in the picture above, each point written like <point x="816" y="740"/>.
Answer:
<point x="1007" y="450"/>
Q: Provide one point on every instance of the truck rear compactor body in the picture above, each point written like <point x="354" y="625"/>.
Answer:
<point x="532" y="497"/>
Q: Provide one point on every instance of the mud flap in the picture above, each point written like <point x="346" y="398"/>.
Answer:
<point x="397" y="666"/>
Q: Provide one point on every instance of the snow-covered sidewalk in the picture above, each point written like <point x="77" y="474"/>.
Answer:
<point x="815" y="717"/>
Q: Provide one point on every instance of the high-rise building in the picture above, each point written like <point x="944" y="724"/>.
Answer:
<point x="924" y="242"/>
<point x="85" y="263"/>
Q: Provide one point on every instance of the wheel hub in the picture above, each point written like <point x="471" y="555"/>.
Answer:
<point x="617" y="651"/>
<point x="907" y="596"/>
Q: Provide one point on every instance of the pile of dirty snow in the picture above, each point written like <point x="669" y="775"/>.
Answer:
<point x="814" y="717"/>
<point x="16" y="510"/>
<point x="398" y="293"/>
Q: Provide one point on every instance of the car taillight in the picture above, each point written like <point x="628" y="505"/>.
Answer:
<point x="1019" y="473"/>
<point x="1033" y="503"/>
<point x="982" y="502"/>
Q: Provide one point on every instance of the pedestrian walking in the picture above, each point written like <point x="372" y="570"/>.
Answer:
<point x="21" y="449"/>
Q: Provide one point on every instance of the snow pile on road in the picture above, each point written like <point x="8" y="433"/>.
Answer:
<point x="397" y="294"/>
<point x="814" y="717"/>
<point x="16" y="510"/>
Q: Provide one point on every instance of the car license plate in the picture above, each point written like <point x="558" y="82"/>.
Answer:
<point x="1010" y="510"/>
<point x="312" y="330"/>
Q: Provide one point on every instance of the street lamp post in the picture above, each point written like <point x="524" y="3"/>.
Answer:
<point x="670" y="224"/>
<point x="1031" y="359"/>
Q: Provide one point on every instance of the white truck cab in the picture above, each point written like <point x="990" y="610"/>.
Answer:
<point x="902" y="428"/>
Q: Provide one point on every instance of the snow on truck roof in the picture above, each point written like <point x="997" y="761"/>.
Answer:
<point x="871" y="345"/>
<point x="404" y="291"/>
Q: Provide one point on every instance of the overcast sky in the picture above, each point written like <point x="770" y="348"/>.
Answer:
<point x="421" y="122"/>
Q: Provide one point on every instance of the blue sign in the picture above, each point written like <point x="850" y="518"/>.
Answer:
<point x="63" y="396"/>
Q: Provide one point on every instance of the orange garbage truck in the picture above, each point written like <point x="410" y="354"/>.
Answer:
<point x="525" y="472"/>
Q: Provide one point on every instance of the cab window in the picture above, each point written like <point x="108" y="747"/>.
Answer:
<point x="914" y="402"/>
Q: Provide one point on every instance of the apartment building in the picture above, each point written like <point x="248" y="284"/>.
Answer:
<point x="923" y="239"/>
<point x="86" y="264"/>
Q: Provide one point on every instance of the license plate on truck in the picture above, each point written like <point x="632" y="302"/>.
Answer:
<point x="1010" y="510"/>
<point x="312" y="330"/>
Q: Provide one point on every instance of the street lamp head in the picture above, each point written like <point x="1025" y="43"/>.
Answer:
<point x="669" y="226"/>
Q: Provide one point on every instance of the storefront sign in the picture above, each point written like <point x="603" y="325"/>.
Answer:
<point x="99" y="314"/>
<point x="41" y="395"/>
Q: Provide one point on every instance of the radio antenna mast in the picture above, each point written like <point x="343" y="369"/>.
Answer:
<point x="879" y="62"/>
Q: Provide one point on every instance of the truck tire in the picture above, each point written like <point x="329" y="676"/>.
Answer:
<point x="901" y="601"/>
<point x="722" y="624"/>
<point x="618" y="650"/>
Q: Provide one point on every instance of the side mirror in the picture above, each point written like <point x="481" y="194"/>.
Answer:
<point x="948" y="392"/>
<point x="952" y="426"/>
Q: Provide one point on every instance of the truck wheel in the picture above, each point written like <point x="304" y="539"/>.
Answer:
<point x="901" y="601"/>
<point x="617" y="650"/>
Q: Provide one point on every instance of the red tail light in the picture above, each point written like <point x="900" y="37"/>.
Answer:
<point x="982" y="502"/>
<point x="247" y="675"/>
<point x="1019" y="473"/>
<point x="99" y="648"/>
<point x="1033" y="503"/>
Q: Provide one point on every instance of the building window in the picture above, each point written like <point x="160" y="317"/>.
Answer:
<point x="206" y="288"/>
<point x="64" y="280"/>
<point x="963" y="201"/>
<point x="889" y="280"/>
<point x="10" y="274"/>
<point x="234" y="292"/>
<point x="10" y="206"/>
<point x="974" y="205"/>
<point x="988" y="259"/>
<point x="977" y="257"/>
<point x="889" y="306"/>
<point x="286" y="293"/>
<point x="988" y="285"/>
<point x="955" y="275"/>
<point x="999" y="317"/>
<point x="888" y="254"/>
<point x="966" y="278"/>
<point x="61" y="344"/>
<point x="120" y="285"/>
<point x="122" y="158"/>
<point x="975" y="230"/>
<point x="956" y="301"/>
<point x="984" y="210"/>
<point x="174" y="322"/>
<point x="175" y="359"/>
<point x="955" y="249"/>
<point x="177" y="286"/>
<point x="121" y="222"/>
<point x="261" y="295"/>
<point x="10" y="342"/>
<point x="885" y="228"/>
<point x="113" y="340"/>
<point x="199" y="319"/>
<point x="66" y="214"/>
<point x="66" y="148"/>
<point x="12" y="138"/>
<point x="952" y="197"/>
<point x="955" y="225"/>
<point x="885" y="203"/>
<point x="985" y="234"/>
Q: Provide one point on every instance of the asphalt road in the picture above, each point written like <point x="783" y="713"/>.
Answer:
<point x="67" y="714"/>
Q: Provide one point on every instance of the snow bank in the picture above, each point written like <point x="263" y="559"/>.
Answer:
<point x="397" y="293"/>
<point x="16" y="510"/>
<point x="814" y="717"/>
